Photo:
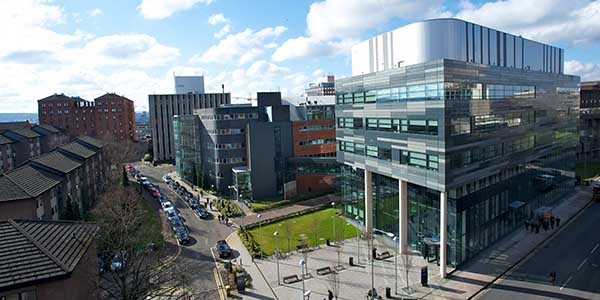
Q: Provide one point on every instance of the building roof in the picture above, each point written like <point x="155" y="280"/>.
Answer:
<point x="47" y="127"/>
<point x="32" y="180"/>
<point x="14" y="125"/>
<point x="25" y="132"/>
<point x="113" y="96"/>
<point x="34" y="251"/>
<point x="10" y="191"/>
<point x="90" y="141"/>
<point x="78" y="150"/>
<point x="4" y="140"/>
<point x="63" y="97"/>
<point x="57" y="161"/>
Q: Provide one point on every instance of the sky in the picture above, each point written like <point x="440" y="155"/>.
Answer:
<point x="134" y="47"/>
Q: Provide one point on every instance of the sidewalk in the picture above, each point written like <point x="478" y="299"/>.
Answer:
<point x="286" y="210"/>
<point x="260" y="289"/>
<point x="463" y="283"/>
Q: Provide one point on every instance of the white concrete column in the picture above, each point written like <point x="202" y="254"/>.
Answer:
<point x="403" y="216"/>
<point x="443" y="233"/>
<point x="368" y="202"/>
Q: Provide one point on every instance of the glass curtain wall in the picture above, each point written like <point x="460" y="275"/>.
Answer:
<point x="352" y="186"/>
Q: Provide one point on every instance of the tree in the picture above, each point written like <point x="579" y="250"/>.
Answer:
<point x="316" y="223"/>
<point x="199" y="176"/>
<point x="125" y="236"/>
<point x="334" y="284"/>
<point x="287" y="230"/>
<point x="124" y="179"/>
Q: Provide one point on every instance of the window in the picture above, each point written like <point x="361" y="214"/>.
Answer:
<point x="352" y="123"/>
<point x="372" y="151"/>
<point x="419" y="160"/>
<point x="460" y="126"/>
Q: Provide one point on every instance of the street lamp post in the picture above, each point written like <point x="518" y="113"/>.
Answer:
<point x="261" y="239"/>
<point x="276" y="234"/>
<point x="302" y="263"/>
<point x="397" y="241"/>
<point x="357" y="241"/>
<point x="334" y="238"/>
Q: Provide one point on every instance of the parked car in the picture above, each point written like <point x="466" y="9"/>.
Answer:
<point x="176" y="223"/>
<point x="201" y="213"/>
<point x="223" y="249"/>
<point x="167" y="179"/>
<point x="118" y="261"/>
<point x="182" y="235"/>
<point x="155" y="192"/>
<point x="194" y="203"/>
<point x="166" y="205"/>
<point x="171" y="214"/>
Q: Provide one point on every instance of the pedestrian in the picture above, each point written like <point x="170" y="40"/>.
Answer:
<point x="537" y="228"/>
<point x="552" y="222"/>
<point x="329" y="295"/>
<point x="557" y="221"/>
<point x="527" y="225"/>
<point x="227" y="221"/>
<point x="220" y="218"/>
<point x="553" y="277"/>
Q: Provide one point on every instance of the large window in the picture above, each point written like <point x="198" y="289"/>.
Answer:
<point x="352" y="123"/>
<point x="401" y="125"/>
<point x="419" y="160"/>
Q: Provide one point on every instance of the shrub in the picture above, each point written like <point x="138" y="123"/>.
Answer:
<point x="249" y="242"/>
<point x="228" y="208"/>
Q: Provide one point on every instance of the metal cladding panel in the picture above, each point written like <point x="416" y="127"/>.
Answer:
<point x="452" y="39"/>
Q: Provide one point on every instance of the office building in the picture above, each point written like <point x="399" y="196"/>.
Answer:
<point x="48" y="260"/>
<point x="326" y="87"/>
<point x="109" y="114"/>
<point x="189" y="84"/>
<point x="162" y="110"/>
<point x="589" y="148"/>
<point x="452" y="134"/>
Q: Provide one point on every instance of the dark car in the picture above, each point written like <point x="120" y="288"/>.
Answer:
<point x="182" y="235"/>
<point x="194" y="203"/>
<point x="223" y="249"/>
<point x="201" y="213"/>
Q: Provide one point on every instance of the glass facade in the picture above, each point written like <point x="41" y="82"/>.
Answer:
<point x="499" y="142"/>
<point x="187" y="147"/>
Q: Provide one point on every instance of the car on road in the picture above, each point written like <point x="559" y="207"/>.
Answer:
<point x="155" y="192"/>
<point x="167" y="178"/>
<point x="166" y="205"/>
<point x="202" y="213"/>
<point x="194" y="203"/>
<point x="223" y="249"/>
<point x="176" y="223"/>
<point x="182" y="235"/>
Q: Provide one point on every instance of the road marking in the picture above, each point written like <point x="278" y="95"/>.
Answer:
<point x="566" y="282"/>
<point x="595" y="247"/>
<point x="582" y="263"/>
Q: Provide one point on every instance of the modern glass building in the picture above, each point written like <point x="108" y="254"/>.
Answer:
<point x="452" y="153"/>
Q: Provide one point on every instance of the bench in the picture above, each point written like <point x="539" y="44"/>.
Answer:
<point x="291" y="279"/>
<point x="302" y="248"/>
<point x="324" y="271"/>
<point x="384" y="255"/>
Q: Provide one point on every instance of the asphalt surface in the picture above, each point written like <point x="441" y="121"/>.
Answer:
<point x="196" y="256"/>
<point x="574" y="254"/>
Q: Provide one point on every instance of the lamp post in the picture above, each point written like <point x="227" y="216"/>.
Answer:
<point x="357" y="241"/>
<point x="276" y="234"/>
<point x="261" y="239"/>
<point x="333" y="206"/>
<point x="397" y="241"/>
<point x="302" y="263"/>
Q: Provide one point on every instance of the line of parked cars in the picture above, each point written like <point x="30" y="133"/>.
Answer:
<point x="197" y="207"/>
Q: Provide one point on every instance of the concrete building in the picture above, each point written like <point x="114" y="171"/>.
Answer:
<point x="27" y="144"/>
<point x="452" y="134"/>
<point x="162" y="110"/>
<point x="48" y="260"/>
<point x="324" y="88"/>
<point x="50" y="137"/>
<point x="109" y="114"/>
<point x="589" y="148"/>
<point x="189" y="84"/>
<point x="39" y="189"/>
<point x="8" y="155"/>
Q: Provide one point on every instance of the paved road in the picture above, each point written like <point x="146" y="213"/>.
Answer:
<point x="196" y="256"/>
<point x="574" y="254"/>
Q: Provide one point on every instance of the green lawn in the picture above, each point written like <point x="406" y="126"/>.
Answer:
<point x="151" y="221"/>
<point x="321" y="220"/>
<point x="591" y="169"/>
<point x="259" y="205"/>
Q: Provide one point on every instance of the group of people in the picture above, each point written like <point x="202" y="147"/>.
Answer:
<point x="543" y="223"/>
<point x="224" y="219"/>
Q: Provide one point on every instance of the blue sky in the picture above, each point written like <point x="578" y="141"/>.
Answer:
<point x="133" y="47"/>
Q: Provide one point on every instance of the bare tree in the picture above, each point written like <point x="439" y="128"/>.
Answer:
<point x="134" y="259"/>
<point x="408" y="264"/>
<point x="334" y="284"/>
<point x="287" y="230"/>
<point x="118" y="152"/>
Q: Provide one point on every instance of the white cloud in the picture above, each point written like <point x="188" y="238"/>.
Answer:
<point x="318" y="72"/>
<point x="243" y="46"/>
<point x="303" y="46"/>
<point x="265" y="68"/>
<point x="331" y="19"/>
<point x="587" y="71"/>
<point x="573" y="22"/>
<point x="134" y="49"/>
<point x="223" y="32"/>
<point x="95" y="12"/>
<point x="160" y="9"/>
<point x="217" y="19"/>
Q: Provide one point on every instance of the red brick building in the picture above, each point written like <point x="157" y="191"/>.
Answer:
<point x="314" y="148"/>
<point x="108" y="114"/>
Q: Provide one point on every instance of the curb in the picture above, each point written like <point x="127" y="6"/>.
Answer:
<point x="479" y="293"/>
<point x="222" y="295"/>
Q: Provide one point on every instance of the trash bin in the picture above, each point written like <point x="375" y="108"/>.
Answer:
<point x="424" y="276"/>
<point x="327" y="241"/>
<point x="351" y="261"/>
<point x="388" y="292"/>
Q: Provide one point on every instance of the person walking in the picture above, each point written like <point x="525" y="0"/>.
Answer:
<point x="552" y="222"/>
<point x="527" y="225"/>
<point x="553" y="277"/>
<point x="557" y="221"/>
<point x="329" y="295"/>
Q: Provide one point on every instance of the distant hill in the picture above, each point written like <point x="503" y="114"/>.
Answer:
<point x="15" y="117"/>
<point x="142" y="117"/>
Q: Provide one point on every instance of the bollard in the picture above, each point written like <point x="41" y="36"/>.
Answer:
<point x="388" y="293"/>
<point x="327" y="241"/>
